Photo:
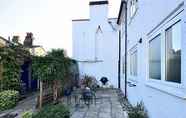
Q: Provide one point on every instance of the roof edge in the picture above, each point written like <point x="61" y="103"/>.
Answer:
<point x="112" y="18"/>
<point x="80" y="20"/>
<point x="98" y="2"/>
<point x="4" y="39"/>
<point x="120" y="11"/>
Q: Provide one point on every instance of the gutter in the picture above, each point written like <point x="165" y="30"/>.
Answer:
<point x="126" y="38"/>
<point x="123" y="6"/>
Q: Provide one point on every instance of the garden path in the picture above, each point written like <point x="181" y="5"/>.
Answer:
<point x="24" y="105"/>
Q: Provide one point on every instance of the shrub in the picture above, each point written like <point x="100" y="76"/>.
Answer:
<point x="27" y="114"/>
<point x="8" y="99"/>
<point x="89" y="81"/>
<point x="138" y="111"/>
<point x="53" y="111"/>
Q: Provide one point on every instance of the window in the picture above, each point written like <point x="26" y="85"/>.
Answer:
<point x="173" y="53"/>
<point x="98" y="44"/>
<point x="133" y="7"/>
<point x="155" y="58"/>
<point x="123" y="64"/>
<point x="133" y="63"/>
<point x="1" y="71"/>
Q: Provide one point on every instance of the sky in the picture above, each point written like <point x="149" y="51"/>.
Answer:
<point x="49" y="20"/>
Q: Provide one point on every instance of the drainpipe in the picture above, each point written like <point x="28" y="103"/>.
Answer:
<point x="119" y="62"/>
<point x="125" y="2"/>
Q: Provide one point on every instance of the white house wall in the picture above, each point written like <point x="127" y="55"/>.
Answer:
<point x="161" y="99"/>
<point x="84" y="36"/>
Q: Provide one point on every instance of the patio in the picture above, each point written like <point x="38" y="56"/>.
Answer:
<point x="106" y="106"/>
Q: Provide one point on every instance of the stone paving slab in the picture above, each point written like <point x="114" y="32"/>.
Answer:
<point x="106" y="107"/>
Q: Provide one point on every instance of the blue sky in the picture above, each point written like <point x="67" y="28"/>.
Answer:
<point x="49" y="20"/>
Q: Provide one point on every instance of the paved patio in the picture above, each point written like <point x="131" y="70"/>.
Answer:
<point x="107" y="106"/>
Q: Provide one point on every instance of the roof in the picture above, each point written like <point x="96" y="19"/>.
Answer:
<point x="4" y="39"/>
<point x="98" y="2"/>
<point x="120" y="11"/>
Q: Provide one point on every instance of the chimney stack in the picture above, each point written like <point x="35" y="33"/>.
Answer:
<point x="98" y="10"/>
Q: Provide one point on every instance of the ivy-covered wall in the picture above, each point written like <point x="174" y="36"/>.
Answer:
<point x="12" y="58"/>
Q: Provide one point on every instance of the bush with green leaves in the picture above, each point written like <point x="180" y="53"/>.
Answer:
<point x="54" y="66"/>
<point x="8" y="99"/>
<point x="53" y="111"/>
<point x="27" y="114"/>
<point x="138" y="111"/>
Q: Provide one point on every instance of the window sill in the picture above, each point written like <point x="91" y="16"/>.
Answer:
<point x="132" y="81"/>
<point x="174" y="91"/>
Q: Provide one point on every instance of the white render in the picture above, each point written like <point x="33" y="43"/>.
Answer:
<point x="162" y="99"/>
<point x="95" y="44"/>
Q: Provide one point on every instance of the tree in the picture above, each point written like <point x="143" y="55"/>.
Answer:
<point x="53" y="67"/>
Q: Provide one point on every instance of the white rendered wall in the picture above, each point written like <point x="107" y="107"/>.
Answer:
<point x="84" y="36"/>
<point x="161" y="99"/>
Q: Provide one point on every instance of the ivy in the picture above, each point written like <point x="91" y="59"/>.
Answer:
<point x="12" y="58"/>
<point x="54" y="66"/>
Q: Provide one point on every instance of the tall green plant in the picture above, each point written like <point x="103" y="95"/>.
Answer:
<point x="53" y="67"/>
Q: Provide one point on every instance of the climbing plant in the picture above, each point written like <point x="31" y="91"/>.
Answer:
<point x="54" y="67"/>
<point x="11" y="59"/>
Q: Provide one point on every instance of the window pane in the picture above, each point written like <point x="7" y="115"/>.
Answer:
<point x="155" y="58"/>
<point x="173" y="53"/>
<point x="123" y="64"/>
<point x="1" y="71"/>
<point x="131" y="67"/>
<point x="133" y="7"/>
<point x="133" y="64"/>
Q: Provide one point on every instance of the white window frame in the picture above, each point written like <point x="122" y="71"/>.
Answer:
<point x="131" y="51"/>
<point x="133" y="7"/>
<point x="159" y="34"/>
<point x="123" y="65"/>
<point x="98" y="43"/>
<point x="172" y="88"/>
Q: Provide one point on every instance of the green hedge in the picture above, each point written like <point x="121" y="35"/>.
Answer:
<point x="53" y="111"/>
<point x="27" y="114"/>
<point x="8" y="99"/>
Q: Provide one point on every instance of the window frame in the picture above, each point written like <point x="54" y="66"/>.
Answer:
<point x="135" y="4"/>
<point x="132" y="51"/>
<point x="98" y="57"/>
<point x="162" y="31"/>
<point x="123" y="64"/>
<point x="171" y="26"/>
<point x="153" y="38"/>
<point x="171" y="88"/>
